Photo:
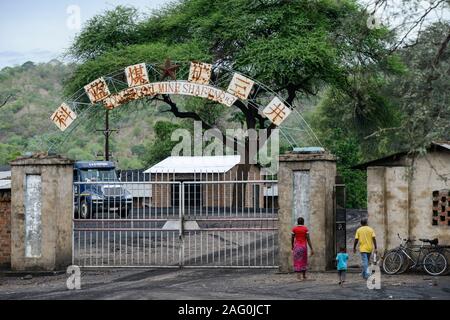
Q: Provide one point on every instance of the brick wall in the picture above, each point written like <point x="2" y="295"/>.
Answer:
<point x="5" y="228"/>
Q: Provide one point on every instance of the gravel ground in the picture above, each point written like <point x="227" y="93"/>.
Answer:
<point x="223" y="284"/>
<point x="215" y="284"/>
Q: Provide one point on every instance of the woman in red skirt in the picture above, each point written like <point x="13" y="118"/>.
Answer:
<point x="300" y="242"/>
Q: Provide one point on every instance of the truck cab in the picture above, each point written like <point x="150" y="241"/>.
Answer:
<point x="98" y="192"/>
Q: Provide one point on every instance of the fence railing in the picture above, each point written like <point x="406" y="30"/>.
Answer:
<point x="173" y="220"/>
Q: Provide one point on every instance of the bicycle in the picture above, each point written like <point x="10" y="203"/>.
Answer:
<point x="405" y="257"/>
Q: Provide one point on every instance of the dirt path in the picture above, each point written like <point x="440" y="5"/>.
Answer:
<point x="221" y="285"/>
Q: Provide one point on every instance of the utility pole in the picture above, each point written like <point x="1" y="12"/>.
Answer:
<point x="107" y="133"/>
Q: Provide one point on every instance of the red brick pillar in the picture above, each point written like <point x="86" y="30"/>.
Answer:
<point x="5" y="229"/>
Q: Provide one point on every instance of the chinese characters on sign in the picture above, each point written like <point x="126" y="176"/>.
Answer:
<point x="200" y="73"/>
<point x="137" y="75"/>
<point x="441" y="208"/>
<point x="197" y="85"/>
<point x="277" y="111"/>
<point x="241" y="86"/>
<point x="97" y="90"/>
<point x="63" y="117"/>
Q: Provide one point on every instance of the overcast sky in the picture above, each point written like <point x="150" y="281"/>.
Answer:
<point x="38" y="30"/>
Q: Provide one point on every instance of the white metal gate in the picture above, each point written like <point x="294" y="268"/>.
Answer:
<point x="171" y="221"/>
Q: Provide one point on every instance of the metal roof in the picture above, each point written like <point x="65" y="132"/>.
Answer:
<point x="5" y="184"/>
<point x="5" y="175"/>
<point x="445" y="144"/>
<point x="219" y="164"/>
<point x="94" y="165"/>
<point x="397" y="159"/>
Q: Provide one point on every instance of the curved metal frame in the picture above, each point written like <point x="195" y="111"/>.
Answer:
<point x="79" y="99"/>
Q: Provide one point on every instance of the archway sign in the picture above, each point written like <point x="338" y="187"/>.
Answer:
<point x="203" y="80"/>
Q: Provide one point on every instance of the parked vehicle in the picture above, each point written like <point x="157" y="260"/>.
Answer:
<point x="98" y="192"/>
<point x="429" y="255"/>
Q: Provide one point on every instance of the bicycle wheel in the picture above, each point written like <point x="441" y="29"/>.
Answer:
<point x="392" y="262"/>
<point x="406" y="264"/>
<point x="435" y="263"/>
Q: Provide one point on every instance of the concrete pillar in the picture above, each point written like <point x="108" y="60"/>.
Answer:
<point x="41" y="213"/>
<point x="388" y="204"/>
<point x="397" y="203"/>
<point x="376" y="204"/>
<point x="306" y="184"/>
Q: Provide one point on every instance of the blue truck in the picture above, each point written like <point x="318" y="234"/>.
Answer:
<point x="98" y="191"/>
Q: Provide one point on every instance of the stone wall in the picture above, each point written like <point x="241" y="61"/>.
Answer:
<point x="5" y="228"/>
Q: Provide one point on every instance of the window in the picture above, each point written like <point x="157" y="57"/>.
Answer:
<point x="94" y="175"/>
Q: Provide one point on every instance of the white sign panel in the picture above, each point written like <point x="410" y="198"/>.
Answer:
<point x="240" y="86"/>
<point x="63" y="117"/>
<point x="277" y="111"/>
<point x="97" y="90"/>
<point x="200" y="72"/>
<point x="137" y="75"/>
<point x="171" y="87"/>
<point x="33" y="227"/>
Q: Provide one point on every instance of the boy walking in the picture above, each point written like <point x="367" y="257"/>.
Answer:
<point x="365" y="236"/>
<point x="342" y="259"/>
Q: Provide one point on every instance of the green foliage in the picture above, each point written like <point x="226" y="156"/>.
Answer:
<point x="80" y="154"/>
<point x="115" y="29"/>
<point x="162" y="145"/>
<point x="120" y="58"/>
<point x="8" y="153"/>
<point x="423" y="89"/>
<point x="348" y="152"/>
<point x="36" y="94"/>
<point x="335" y="130"/>
<point x="139" y="150"/>
<point x="130" y="163"/>
<point x="25" y="124"/>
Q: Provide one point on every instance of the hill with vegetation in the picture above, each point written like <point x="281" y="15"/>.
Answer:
<point x="34" y="91"/>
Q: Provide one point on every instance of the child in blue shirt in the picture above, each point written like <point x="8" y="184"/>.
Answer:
<point x="342" y="259"/>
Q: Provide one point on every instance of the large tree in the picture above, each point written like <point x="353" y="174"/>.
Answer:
<point x="295" y="47"/>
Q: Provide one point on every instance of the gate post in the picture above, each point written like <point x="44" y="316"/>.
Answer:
<point x="306" y="182"/>
<point x="41" y="213"/>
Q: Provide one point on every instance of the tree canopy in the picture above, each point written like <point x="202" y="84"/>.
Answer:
<point x="367" y="91"/>
<point x="297" y="48"/>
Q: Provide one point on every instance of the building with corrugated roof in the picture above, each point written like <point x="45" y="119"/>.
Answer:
<point x="208" y="182"/>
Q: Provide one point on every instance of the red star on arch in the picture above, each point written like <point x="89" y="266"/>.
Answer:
<point x="169" y="70"/>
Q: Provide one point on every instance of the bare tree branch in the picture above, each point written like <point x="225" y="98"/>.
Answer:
<point x="6" y="100"/>
<point x="418" y="22"/>
<point x="195" y="116"/>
